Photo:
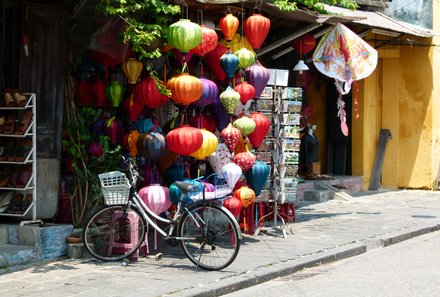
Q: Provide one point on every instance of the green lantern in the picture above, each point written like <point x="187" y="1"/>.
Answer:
<point x="184" y="35"/>
<point x="230" y="99"/>
<point x="115" y="93"/>
<point x="246" y="58"/>
<point x="246" y="125"/>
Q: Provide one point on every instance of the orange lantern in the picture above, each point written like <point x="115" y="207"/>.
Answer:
<point x="243" y="146"/>
<point x="229" y="25"/>
<point x="184" y="140"/>
<point x="246" y="195"/>
<point x="131" y="143"/>
<point x="185" y="88"/>
<point x="132" y="70"/>
<point x="256" y="27"/>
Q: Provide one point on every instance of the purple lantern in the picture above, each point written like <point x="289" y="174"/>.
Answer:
<point x="219" y="113"/>
<point x="156" y="145"/>
<point x="98" y="127"/>
<point x="229" y="63"/>
<point x="209" y="93"/>
<point x="258" y="76"/>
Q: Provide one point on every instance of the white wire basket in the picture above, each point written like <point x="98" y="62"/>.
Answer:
<point x="115" y="187"/>
<point x="222" y="189"/>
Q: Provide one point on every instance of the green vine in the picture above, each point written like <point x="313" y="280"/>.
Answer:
<point x="318" y="6"/>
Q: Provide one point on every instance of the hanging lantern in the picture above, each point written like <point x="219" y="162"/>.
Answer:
<point x="141" y="143"/>
<point x="115" y="93"/>
<point x="256" y="27"/>
<point x="209" y="42"/>
<point x="182" y="58"/>
<point x="304" y="44"/>
<point x="258" y="76"/>
<point x="245" y="124"/>
<point x="245" y="160"/>
<point x="208" y="187"/>
<point x="184" y="140"/>
<point x="156" y="197"/>
<point x="147" y="93"/>
<point x="213" y="61"/>
<point x="98" y="127"/>
<point x="230" y="137"/>
<point x="95" y="149"/>
<point x="144" y="125"/>
<point x="232" y="173"/>
<point x="132" y="143"/>
<point x="220" y="157"/>
<point x="184" y="35"/>
<point x="243" y="146"/>
<point x="229" y="99"/>
<point x="202" y="121"/>
<point x="236" y="43"/>
<point x="234" y="205"/>
<point x="246" y="58"/>
<point x="219" y="114"/>
<point x="185" y="88"/>
<point x="83" y="92"/>
<point x="98" y="91"/>
<point x="168" y="159"/>
<point x="262" y="126"/>
<point x="229" y="63"/>
<point x="257" y="176"/>
<point x="114" y="130"/>
<point x="133" y="107"/>
<point x="174" y="172"/>
<point x="132" y="70"/>
<point x="209" y="93"/>
<point x="246" y="195"/>
<point x="246" y="91"/>
<point x="209" y="145"/>
<point x="229" y="25"/>
<point x="155" y="145"/>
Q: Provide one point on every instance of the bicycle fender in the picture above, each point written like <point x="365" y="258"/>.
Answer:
<point x="237" y="226"/>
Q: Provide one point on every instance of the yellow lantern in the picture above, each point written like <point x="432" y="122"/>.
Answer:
<point x="246" y="195"/>
<point x="237" y="43"/>
<point x="132" y="69"/>
<point x="209" y="145"/>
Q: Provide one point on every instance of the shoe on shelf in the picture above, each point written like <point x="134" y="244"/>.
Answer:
<point x="7" y="149"/>
<point x="23" y="123"/>
<point x="2" y="122"/>
<point x="19" y="98"/>
<point x="9" y="99"/>
<point x="5" y="200"/>
<point x="24" y="176"/>
<point x="23" y="149"/>
<point x="5" y="175"/>
<point x="9" y="126"/>
<point x="15" y="204"/>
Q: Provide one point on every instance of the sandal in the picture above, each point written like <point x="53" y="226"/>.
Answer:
<point x="23" y="149"/>
<point x="5" y="175"/>
<point x="9" y="99"/>
<point x="23" y="123"/>
<point x="9" y="126"/>
<point x="15" y="204"/>
<point x="19" y="98"/>
<point x="7" y="149"/>
<point x="2" y="122"/>
<point x="24" y="177"/>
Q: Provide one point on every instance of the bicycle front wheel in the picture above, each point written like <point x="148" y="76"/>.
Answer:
<point x="114" y="233"/>
<point x="210" y="238"/>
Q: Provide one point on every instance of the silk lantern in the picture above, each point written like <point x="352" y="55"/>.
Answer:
<point x="141" y="144"/>
<point x="155" y="145"/>
<point x="114" y="130"/>
<point x="209" y="145"/>
<point x="208" y="187"/>
<point x="98" y="127"/>
<point x="208" y="43"/>
<point x="245" y="160"/>
<point x="132" y="143"/>
<point x="132" y="70"/>
<point x="243" y="146"/>
<point x="98" y="91"/>
<point x="174" y="172"/>
<point x="304" y="44"/>
<point x="232" y="173"/>
<point x="133" y="108"/>
<point x="147" y="93"/>
<point x="165" y="162"/>
<point x="257" y="176"/>
<point x="184" y="35"/>
<point x="245" y="124"/>
<point x="236" y="43"/>
<point x="219" y="114"/>
<point x="220" y="157"/>
<point x="229" y="25"/>
<point x="246" y="91"/>
<point x="202" y="121"/>
<point x="156" y="197"/>
<point x="258" y="76"/>
<point x="245" y="57"/>
<point x="229" y="99"/>
<point x="234" y="205"/>
<point x="229" y="63"/>
<point x="185" y="88"/>
<point x="256" y="27"/>
<point x="209" y="93"/>
<point x="230" y="137"/>
<point x="95" y="149"/>
<point x="213" y="61"/>
<point x="262" y="126"/>
<point x="184" y="140"/>
<point x="246" y="195"/>
<point x="83" y="92"/>
<point x="115" y="93"/>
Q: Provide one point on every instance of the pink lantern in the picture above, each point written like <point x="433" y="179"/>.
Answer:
<point x="208" y="187"/>
<point x="114" y="130"/>
<point x="258" y="76"/>
<point x="209" y="42"/>
<point x="95" y="149"/>
<point x="156" y="197"/>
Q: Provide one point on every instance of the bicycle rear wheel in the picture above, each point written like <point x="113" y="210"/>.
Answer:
<point x="210" y="238"/>
<point x="114" y="233"/>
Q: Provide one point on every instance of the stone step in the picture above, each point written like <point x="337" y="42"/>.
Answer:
<point x="318" y="195"/>
<point x="13" y="255"/>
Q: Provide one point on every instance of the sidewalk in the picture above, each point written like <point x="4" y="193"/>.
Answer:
<point x="323" y="232"/>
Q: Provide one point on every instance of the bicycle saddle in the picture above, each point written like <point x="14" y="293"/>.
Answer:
<point x="185" y="187"/>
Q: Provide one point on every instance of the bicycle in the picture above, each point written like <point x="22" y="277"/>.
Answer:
<point x="208" y="233"/>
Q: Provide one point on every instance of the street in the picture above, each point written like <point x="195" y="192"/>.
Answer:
<point x="410" y="268"/>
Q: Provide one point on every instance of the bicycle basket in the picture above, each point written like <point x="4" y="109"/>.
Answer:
<point x="115" y="187"/>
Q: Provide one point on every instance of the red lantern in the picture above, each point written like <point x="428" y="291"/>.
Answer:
<point x="246" y="91"/>
<point x="230" y="136"/>
<point x="83" y="93"/>
<point x="304" y="44"/>
<point x="246" y="195"/>
<point x="202" y="121"/>
<point x="213" y="61"/>
<point x="229" y="25"/>
<point x="114" y="130"/>
<point x="262" y="126"/>
<point x="147" y="93"/>
<point x="256" y="27"/>
<point x="99" y="92"/>
<point x="245" y="160"/>
<point x="185" y="88"/>
<point x="184" y="140"/>
<point x="234" y="205"/>
<point x="133" y="108"/>
<point x="209" y="42"/>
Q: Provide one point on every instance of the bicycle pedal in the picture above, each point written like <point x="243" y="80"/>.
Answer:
<point x="158" y="257"/>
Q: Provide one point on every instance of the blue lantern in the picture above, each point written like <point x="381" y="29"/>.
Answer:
<point x="175" y="172"/>
<point x="229" y="63"/>
<point x="257" y="176"/>
<point x="175" y="192"/>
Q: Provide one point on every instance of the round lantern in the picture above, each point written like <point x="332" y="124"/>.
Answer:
<point x="304" y="44"/>
<point x="257" y="176"/>
<point x="246" y="91"/>
<point x="209" y="145"/>
<point x="234" y="205"/>
<point x="202" y="121"/>
<point x="256" y="27"/>
<point x="246" y="58"/>
<point x="98" y="127"/>
<point x="237" y="43"/>
<point x="141" y="142"/>
<point x="132" y="69"/>
<point x="229" y="25"/>
<point x="245" y="160"/>
<point x="209" y="93"/>
<point x="184" y="140"/>
<point x="229" y="98"/>
<point x="95" y="149"/>
<point x="262" y="126"/>
<point x="147" y="93"/>
<point x="245" y="124"/>
<point x="230" y="137"/>
<point x="243" y="146"/>
<point x="184" y="35"/>
<point x="98" y="91"/>
<point x="209" y="42"/>
<point x="174" y="172"/>
<point x="219" y="114"/>
<point x="258" y="76"/>
<point x="185" y="88"/>
<point x="114" y="130"/>
<point x="232" y="173"/>
<point x="213" y="61"/>
<point x="246" y="195"/>
<point x="156" y="197"/>
<point x="229" y="63"/>
<point x="133" y="108"/>
<point x="115" y="93"/>
<point x="132" y="143"/>
<point x="168" y="159"/>
<point x="155" y="145"/>
<point x="220" y="157"/>
<point x="83" y="92"/>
